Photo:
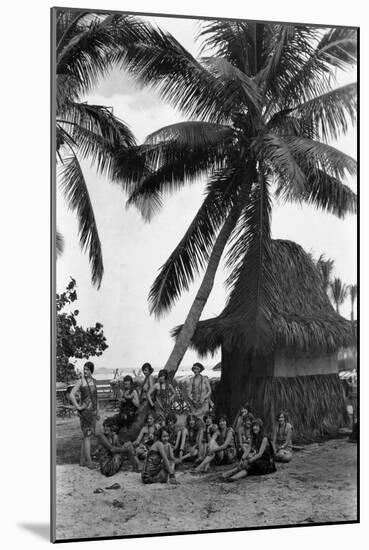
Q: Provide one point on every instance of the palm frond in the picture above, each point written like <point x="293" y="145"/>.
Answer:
<point x="193" y="251"/>
<point x="328" y="113"/>
<point x="280" y="161"/>
<point x="171" y="165"/>
<point x="160" y="61"/>
<point x="314" y="156"/>
<point x="74" y="188"/>
<point x="313" y="73"/>
<point x="323" y="192"/>
<point x="85" y="56"/>
<point x="59" y="244"/>
<point x="193" y="134"/>
<point x="242" y="89"/>
<point x="235" y="41"/>
<point x="338" y="292"/>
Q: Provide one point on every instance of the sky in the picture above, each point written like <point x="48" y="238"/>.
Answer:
<point x="133" y="251"/>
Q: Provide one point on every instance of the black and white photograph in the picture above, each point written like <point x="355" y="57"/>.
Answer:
<point x="205" y="358"/>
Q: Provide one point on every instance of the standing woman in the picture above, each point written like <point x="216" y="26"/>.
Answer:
<point x="221" y="447"/>
<point x="88" y="411"/>
<point x="259" y="460"/>
<point x="129" y="403"/>
<point x="199" y="391"/>
<point x="163" y="392"/>
<point x="159" y="465"/>
<point x="190" y="440"/>
<point x="147" y="383"/>
<point x="282" y="438"/>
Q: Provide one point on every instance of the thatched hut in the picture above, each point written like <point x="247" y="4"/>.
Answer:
<point x="295" y="364"/>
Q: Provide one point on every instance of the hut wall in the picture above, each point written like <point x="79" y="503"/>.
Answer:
<point x="309" y="388"/>
<point x="308" y="365"/>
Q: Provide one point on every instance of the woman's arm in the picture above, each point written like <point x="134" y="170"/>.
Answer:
<point x="207" y="388"/>
<point x="106" y="443"/>
<point x="171" y="391"/>
<point x="135" y="399"/>
<point x="140" y="436"/>
<point x="288" y="441"/>
<point x="150" y="393"/>
<point x="261" y="450"/>
<point x="183" y="441"/>
<point x="163" y="455"/>
<point x="73" y="394"/>
<point x="227" y="441"/>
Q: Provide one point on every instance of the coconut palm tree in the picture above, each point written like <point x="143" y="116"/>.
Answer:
<point x="338" y="292"/>
<point x="325" y="268"/>
<point x="353" y="294"/>
<point x="85" y="45"/>
<point x="264" y="108"/>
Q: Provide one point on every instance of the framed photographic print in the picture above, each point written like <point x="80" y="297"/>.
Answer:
<point x="204" y="372"/>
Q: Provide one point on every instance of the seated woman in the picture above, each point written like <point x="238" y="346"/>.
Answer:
<point x="243" y="436"/>
<point x="147" y="384"/>
<point x="159" y="465"/>
<point x="146" y="437"/>
<point x="111" y="453"/>
<point x="221" y="447"/>
<point x="161" y="394"/>
<point x="174" y="433"/>
<point x="258" y="460"/>
<point x="190" y="439"/>
<point x="206" y="433"/>
<point x="282" y="438"/>
<point x="244" y="409"/>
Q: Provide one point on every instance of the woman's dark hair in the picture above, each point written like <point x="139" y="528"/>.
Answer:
<point x="248" y="416"/>
<point x="89" y="365"/>
<point x="128" y="378"/>
<point x="222" y="417"/>
<point x="285" y="414"/>
<point x="147" y="416"/>
<point x="160" y="432"/>
<point x="209" y="415"/>
<point x="171" y="417"/>
<point x="147" y="366"/>
<point x="256" y="439"/>
<point x="164" y="373"/>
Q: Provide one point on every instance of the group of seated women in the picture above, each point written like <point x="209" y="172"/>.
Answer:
<point x="163" y="446"/>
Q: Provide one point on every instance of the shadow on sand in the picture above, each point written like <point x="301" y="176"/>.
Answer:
<point x="42" y="530"/>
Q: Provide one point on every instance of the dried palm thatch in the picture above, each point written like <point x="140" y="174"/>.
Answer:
<point x="317" y="417"/>
<point x="299" y="315"/>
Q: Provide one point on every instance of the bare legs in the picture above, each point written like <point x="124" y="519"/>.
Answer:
<point x="85" y="456"/>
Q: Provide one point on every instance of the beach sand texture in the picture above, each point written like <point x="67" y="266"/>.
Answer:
<point x="318" y="486"/>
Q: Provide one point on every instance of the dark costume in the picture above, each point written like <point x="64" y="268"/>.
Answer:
<point x="264" y="464"/>
<point x="162" y="403"/>
<point x="89" y="401"/>
<point x="153" y="471"/>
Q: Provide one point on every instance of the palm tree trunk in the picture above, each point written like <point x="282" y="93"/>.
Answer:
<point x="188" y="329"/>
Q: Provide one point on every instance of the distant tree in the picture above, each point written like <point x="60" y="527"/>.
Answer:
<point x="338" y="292"/>
<point x="325" y="267"/>
<point x="72" y="340"/>
<point x="353" y="295"/>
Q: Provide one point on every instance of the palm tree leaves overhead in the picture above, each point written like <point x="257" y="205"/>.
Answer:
<point x="73" y="185"/>
<point x="338" y="292"/>
<point x="193" y="251"/>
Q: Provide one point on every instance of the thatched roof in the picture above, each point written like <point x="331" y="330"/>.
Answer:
<point x="294" y="312"/>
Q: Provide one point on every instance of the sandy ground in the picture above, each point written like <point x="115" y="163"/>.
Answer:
<point x="319" y="485"/>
